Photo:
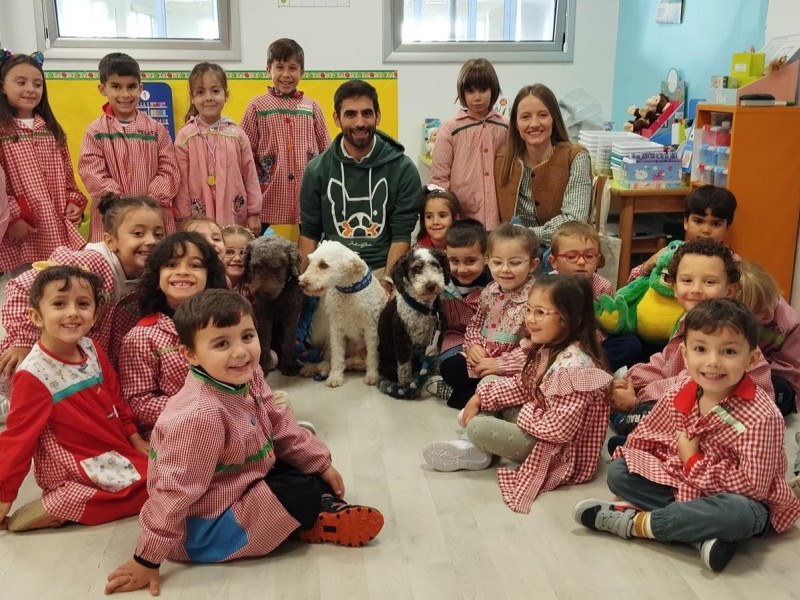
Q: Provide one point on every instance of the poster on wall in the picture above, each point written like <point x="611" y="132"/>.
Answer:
<point x="314" y="3"/>
<point x="669" y="11"/>
<point x="156" y="101"/>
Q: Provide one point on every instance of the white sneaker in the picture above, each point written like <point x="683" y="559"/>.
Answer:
<point x="455" y="455"/>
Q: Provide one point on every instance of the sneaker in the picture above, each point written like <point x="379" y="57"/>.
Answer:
<point x="5" y="405"/>
<point x="309" y="426"/>
<point x="32" y="515"/>
<point x="605" y="516"/>
<point x="436" y="386"/>
<point x="455" y="455"/>
<point x="614" y="442"/>
<point x="716" y="553"/>
<point x="344" y="524"/>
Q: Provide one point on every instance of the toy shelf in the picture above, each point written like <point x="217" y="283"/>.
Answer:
<point x="763" y="175"/>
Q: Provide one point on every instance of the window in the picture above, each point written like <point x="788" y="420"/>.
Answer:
<point x="454" y="30"/>
<point x="187" y="29"/>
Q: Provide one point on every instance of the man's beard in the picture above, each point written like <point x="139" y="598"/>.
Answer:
<point x="359" y="143"/>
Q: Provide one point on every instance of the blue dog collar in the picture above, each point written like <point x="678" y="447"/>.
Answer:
<point x="357" y="286"/>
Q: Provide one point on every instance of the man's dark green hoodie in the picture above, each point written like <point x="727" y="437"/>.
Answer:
<point x="365" y="205"/>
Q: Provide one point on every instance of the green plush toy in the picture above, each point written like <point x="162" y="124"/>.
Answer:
<point x="645" y="307"/>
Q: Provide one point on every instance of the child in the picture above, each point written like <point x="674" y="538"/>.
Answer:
<point x="706" y="467"/>
<point x="236" y="239"/>
<point x="709" y="213"/>
<point x="463" y="157"/>
<point x="466" y="253"/>
<point x="231" y="474"/>
<point x="124" y="151"/>
<point x="778" y="332"/>
<point x="218" y="175"/>
<point x="554" y="413"/>
<point x="151" y="369"/>
<point x="208" y="228"/>
<point x="286" y="130"/>
<point x="498" y="325"/>
<point x="700" y="270"/>
<point x="44" y="203"/>
<point x="67" y="415"/>
<point x="575" y="250"/>
<point x="439" y="209"/>
<point x="132" y="228"/>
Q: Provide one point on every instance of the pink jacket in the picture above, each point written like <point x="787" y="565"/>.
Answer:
<point x="779" y="340"/>
<point x="236" y="193"/>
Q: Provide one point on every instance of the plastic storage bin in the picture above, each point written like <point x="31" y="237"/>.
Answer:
<point x="718" y="136"/>
<point x="708" y="155"/>
<point x="707" y="174"/>
<point x="723" y="156"/>
<point x="721" y="177"/>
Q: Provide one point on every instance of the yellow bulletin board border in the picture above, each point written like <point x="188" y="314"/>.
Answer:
<point x="76" y="101"/>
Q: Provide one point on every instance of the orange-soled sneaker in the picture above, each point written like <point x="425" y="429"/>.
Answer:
<point x="32" y="515"/>
<point x="344" y="524"/>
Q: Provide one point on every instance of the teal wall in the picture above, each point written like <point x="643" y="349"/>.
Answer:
<point x="701" y="46"/>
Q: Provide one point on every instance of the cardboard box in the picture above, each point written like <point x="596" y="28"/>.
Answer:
<point x="641" y="172"/>
<point x="747" y="66"/>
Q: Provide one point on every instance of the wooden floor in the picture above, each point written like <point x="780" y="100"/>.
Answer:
<point x="447" y="535"/>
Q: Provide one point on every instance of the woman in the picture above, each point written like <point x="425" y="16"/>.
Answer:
<point x="541" y="177"/>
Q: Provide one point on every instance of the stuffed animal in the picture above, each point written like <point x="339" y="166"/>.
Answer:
<point x="647" y="115"/>
<point x="645" y="307"/>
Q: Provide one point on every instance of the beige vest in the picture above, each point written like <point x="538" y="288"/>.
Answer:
<point x="548" y="183"/>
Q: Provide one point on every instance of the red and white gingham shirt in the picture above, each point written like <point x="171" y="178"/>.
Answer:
<point x="128" y="159"/>
<point x="211" y="449"/>
<point x="151" y="370"/>
<point x="499" y="325"/>
<point x="651" y="380"/>
<point x="40" y="183"/>
<point x="569" y="423"/>
<point x="458" y="313"/>
<point x="21" y="333"/>
<point x="463" y="162"/>
<point x="285" y="133"/>
<point x="741" y="448"/>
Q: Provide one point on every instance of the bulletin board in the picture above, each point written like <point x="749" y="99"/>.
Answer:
<point x="76" y="102"/>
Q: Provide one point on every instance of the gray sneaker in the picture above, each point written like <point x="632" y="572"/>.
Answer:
<point x="716" y="553"/>
<point x="436" y="386"/>
<point x="601" y="515"/>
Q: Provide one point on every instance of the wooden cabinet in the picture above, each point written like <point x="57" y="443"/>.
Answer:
<point x="764" y="175"/>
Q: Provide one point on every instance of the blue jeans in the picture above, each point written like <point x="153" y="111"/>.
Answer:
<point x="728" y="517"/>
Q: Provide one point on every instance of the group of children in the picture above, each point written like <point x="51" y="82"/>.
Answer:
<point x="168" y="389"/>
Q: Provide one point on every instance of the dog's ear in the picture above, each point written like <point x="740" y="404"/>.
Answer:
<point x="248" y="251"/>
<point x="293" y="258"/>
<point x="400" y="272"/>
<point x="442" y="258"/>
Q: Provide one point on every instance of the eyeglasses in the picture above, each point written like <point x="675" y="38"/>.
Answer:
<point x="513" y="264"/>
<point x="537" y="314"/>
<point x="572" y="256"/>
<point x="231" y="252"/>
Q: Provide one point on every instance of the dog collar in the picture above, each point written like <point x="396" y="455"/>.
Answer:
<point x="357" y="286"/>
<point x="418" y="306"/>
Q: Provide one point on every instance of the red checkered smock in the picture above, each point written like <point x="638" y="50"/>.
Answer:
<point x="128" y="159"/>
<point x="499" y="325"/>
<point x="653" y="379"/>
<point x="285" y="133"/>
<point x="741" y="448"/>
<point x="569" y="423"/>
<point x="151" y="370"/>
<point x="21" y="333"/>
<point x="69" y="418"/>
<point x="211" y="449"/>
<point x="458" y="312"/>
<point x="40" y="184"/>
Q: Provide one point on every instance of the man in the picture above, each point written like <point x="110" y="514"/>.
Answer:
<point x="362" y="191"/>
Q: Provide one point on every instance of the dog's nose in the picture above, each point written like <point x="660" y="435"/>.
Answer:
<point x="303" y="283"/>
<point x="430" y="287"/>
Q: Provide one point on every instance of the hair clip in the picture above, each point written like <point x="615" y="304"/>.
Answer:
<point x="432" y="187"/>
<point x="5" y="54"/>
<point x="38" y="57"/>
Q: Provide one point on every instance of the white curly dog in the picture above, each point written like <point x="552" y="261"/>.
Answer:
<point x="353" y="302"/>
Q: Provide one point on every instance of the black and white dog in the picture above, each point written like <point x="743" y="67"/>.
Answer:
<point x="412" y="320"/>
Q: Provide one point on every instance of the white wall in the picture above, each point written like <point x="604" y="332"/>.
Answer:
<point x="783" y="18"/>
<point x="351" y="38"/>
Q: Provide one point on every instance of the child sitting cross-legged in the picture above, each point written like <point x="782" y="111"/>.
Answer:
<point x="553" y="415"/>
<point x="231" y="474"/>
<point x="66" y="414"/>
<point x="706" y="466"/>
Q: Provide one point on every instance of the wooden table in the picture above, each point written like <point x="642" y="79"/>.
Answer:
<point x="638" y="202"/>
